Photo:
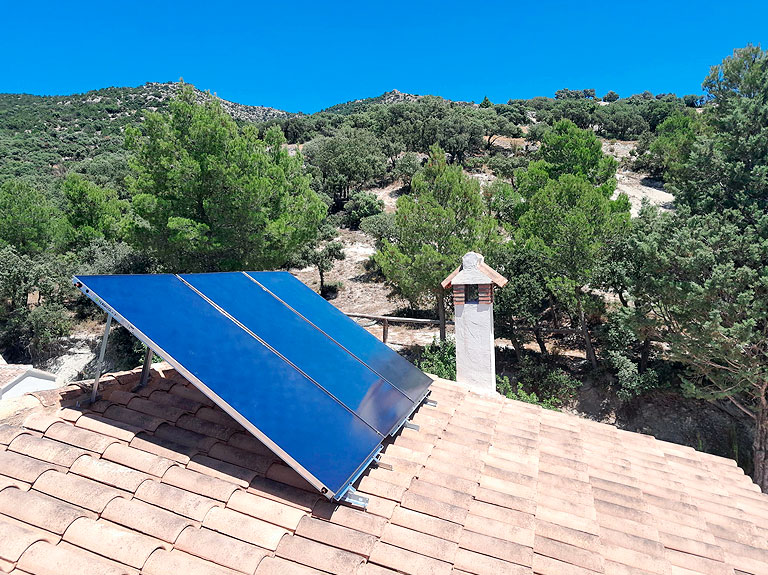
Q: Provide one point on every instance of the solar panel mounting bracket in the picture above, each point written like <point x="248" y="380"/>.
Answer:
<point x="353" y="498"/>
<point x="430" y="402"/>
<point x="411" y="425"/>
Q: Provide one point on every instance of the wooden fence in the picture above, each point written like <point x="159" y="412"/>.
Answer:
<point x="387" y="319"/>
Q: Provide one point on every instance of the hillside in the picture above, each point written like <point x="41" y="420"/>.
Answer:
<point x="355" y="106"/>
<point x="42" y="136"/>
<point x="391" y="97"/>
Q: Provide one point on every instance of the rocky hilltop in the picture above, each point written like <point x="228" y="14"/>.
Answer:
<point x="161" y="93"/>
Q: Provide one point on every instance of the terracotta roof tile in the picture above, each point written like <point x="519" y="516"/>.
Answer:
<point x="348" y="517"/>
<point x="632" y="554"/>
<point x="197" y="442"/>
<point x="697" y="564"/>
<point x="17" y="537"/>
<point x="179" y="501"/>
<point x="163" y="562"/>
<point x="220" y="549"/>
<point x="132" y="417"/>
<point x="40" y="510"/>
<point x="318" y="555"/>
<point x="278" y="566"/>
<point x="427" y="524"/>
<point x="42" y="558"/>
<point x="108" y="427"/>
<point x="247" y="459"/>
<point x="336" y="535"/>
<point x="434" y="507"/>
<point x="111" y="541"/>
<point x="480" y="564"/>
<point x="190" y="392"/>
<point x="284" y="493"/>
<point x="145" y="518"/>
<point x="80" y="491"/>
<point x="487" y="485"/>
<point x="502" y="514"/>
<point x="10" y="432"/>
<point x="572" y="554"/>
<point x="109" y="472"/>
<point x="23" y="467"/>
<point x="244" y="527"/>
<point x="418" y="542"/>
<point x="40" y="421"/>
<point x="379" y="506"/>
<point x="372" y="569"/>
<point x="45" y="449"/>
<point x="382" y="488"/>
<point x="499" y="529"/>
<point x="163" y="447"/>
<point x="163" y="411"/>
<point x="266" y="509"/>
<point x="9" y="482"/>
<point x="199" y="483"/>
<point x="523" y="502"/>
<point x="543" y="565"/>
<point x="117" y="396"/>
<point x="186" y="404"/>
<point x="221" y="469"/>
<point x="137" y="459"/>
<point x="407" y="561"/>
<point x="79" y="437"/>
<point x="222" y="426"/>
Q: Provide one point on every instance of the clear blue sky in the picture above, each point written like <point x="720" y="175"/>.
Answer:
<point x="304" y="56"/>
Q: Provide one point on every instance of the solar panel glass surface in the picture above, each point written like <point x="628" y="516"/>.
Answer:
<point x="375" y="400"/>
<point x="375" y="354"/>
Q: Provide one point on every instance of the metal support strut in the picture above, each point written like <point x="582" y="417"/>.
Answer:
<point x="100" y="360"/>
<point x="145" y="369"/>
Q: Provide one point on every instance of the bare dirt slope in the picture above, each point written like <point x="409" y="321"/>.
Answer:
<point x="637" y="187"/>
<point x="364" y="292"/>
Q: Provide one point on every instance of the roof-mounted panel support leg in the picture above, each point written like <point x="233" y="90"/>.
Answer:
<point x="145" y="369"/>
<point x="100" y="360"/>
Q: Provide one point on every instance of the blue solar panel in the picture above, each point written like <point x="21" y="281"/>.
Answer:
<point x="375" y="400"/>
<point x="288" y="380"/>
<point x="305" y="423"/>
<point x="383" y="360"/>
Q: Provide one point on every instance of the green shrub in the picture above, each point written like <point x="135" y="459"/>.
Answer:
<point x="405" y="168"/>
<point x="550" y="386"/>
<point x="504" y="387"/>
<point x="361" y="205"/>
<point x="505" y="166"/>
<point x="42" y="326"/>
<point x="631" y="382"/>
<point x="439" y="358"/>
<point x="381" y="227"/>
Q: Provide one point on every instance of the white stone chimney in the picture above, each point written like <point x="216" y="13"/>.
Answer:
<point x="473" y="282"/>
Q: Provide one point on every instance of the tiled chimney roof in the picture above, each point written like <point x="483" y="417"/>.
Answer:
<point x="164" y="482"/>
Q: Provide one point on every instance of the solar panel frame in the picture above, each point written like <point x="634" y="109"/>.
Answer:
<point x="328" y="492"/>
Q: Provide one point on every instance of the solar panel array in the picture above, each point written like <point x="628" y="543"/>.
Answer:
<point x="310" y="383"/>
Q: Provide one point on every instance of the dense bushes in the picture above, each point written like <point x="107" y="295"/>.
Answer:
<point x="361" y="205"/>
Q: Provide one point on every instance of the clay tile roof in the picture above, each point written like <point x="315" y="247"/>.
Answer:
<point x="161" y="481"/>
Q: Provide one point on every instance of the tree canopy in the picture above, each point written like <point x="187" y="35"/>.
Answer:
<point x="208" y="195"/>
<point x="435" y="225"/>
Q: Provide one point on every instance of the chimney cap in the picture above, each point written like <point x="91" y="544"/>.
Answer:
<point x="474" y="270"/>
